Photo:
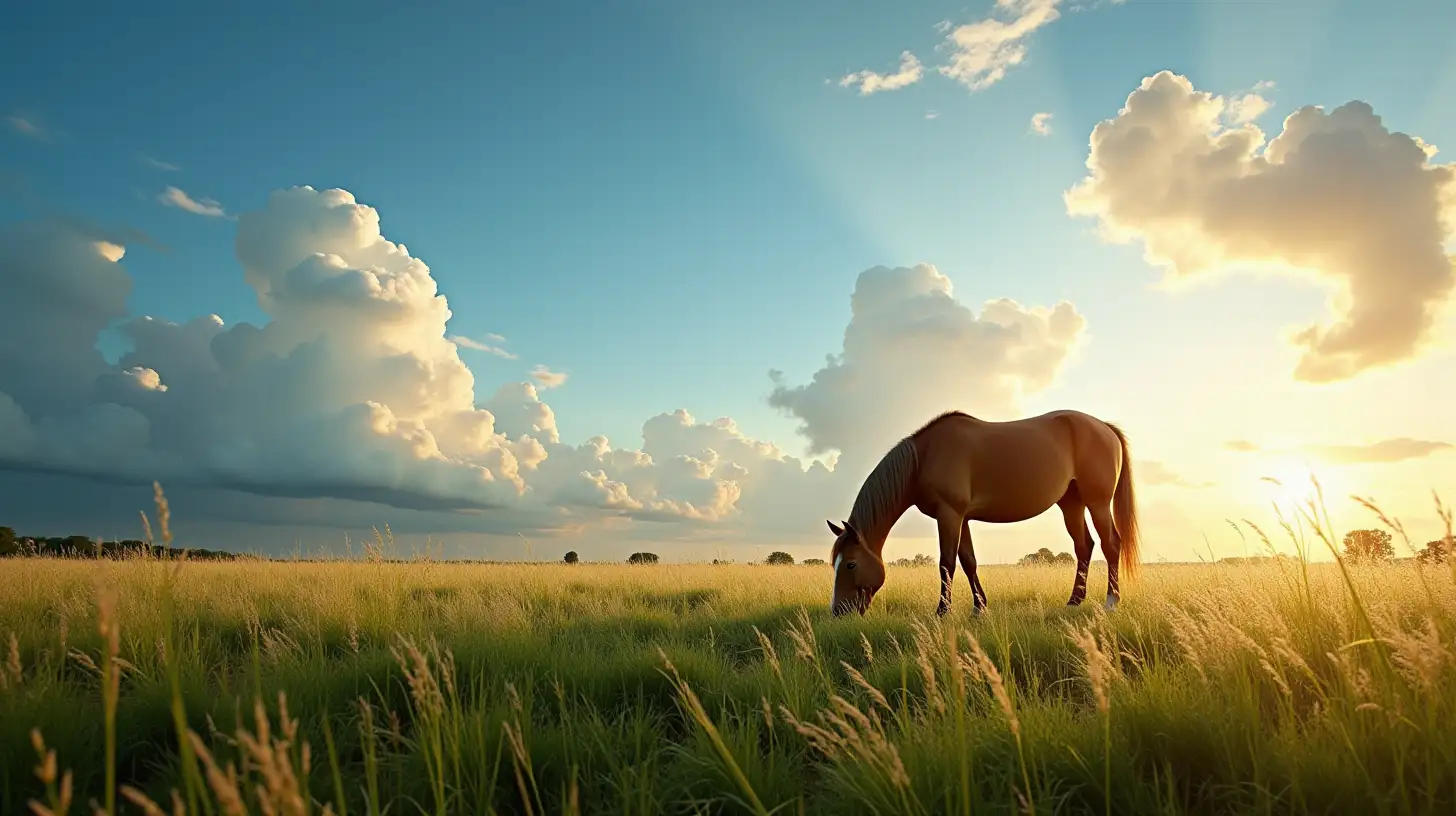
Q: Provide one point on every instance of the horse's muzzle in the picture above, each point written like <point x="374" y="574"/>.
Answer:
<point x="858" y="602"/>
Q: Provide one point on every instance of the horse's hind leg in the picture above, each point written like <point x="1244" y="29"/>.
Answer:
<point x="949" y="528"/>
<point x="1111" y="548"/>
<point x="968" y="565"/>
<point x="1074" y="513"/>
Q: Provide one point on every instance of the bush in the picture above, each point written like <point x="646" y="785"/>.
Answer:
<point x="642" y="558"/>
<point x="778" y="557"/>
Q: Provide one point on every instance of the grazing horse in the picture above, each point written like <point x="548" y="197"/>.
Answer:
<point x="958" y="468"/>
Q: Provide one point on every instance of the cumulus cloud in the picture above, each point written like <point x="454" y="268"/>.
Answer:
<point x="912" y="350"/>
<point x="1156" y="474"/>
<point x="350" y="389"/>
<point x="1041" y="124"/>
<point x="1336" y="193"/>
<point x="546" y="378"/>
<point x="1246" y="108"/>
<point x="353" y="392"/>
<point x="982" y="52"/>
<point x="175" y="197"/>
<point x="909" y="73"/>
<point x="491" y="345"/>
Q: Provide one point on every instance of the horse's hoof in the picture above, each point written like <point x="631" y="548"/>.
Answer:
<point x="1074" y="602"/>
<point x="941" y="611"/>
<point x="978" y="611"/>
<point x="1110" y="604"/>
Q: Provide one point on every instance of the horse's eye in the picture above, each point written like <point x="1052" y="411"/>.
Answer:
<point x="850" y="565"/>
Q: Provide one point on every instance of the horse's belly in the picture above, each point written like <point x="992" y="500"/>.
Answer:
<point x="1006" y="498"/>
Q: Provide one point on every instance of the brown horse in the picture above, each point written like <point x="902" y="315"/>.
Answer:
<point x="957" y="468"/>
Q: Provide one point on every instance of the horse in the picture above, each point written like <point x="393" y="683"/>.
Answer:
<point x="957" y="469"/>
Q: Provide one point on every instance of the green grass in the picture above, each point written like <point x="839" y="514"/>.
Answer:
<point x="376" y="687"/>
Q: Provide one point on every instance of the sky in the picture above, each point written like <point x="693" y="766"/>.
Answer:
<point x="651" y="275"/>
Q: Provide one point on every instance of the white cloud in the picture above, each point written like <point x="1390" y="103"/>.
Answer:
<point x="909" y="73"/>
<point x="488" y="348"/>
<point x="175" y="197"/>
<point x="353" y="390"/>
<point x="159" y="164"/>
<point x="912" y="350"/>
<point x="982" y="52"/>
<point x="350" y="391"/>
<point x="546" y="378"/>
<point x="1247" y="108"/>
<point x="1336" y="194"/>
<point x="1041" y="124"/>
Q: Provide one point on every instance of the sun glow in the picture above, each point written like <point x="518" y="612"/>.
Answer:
<point x="1293" y="484"/>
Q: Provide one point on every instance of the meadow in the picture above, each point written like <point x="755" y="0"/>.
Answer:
<point x="159" y="686"/>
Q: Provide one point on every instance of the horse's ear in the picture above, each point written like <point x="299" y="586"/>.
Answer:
<point x="850" y="527"/>
<point x="838" y="531"/>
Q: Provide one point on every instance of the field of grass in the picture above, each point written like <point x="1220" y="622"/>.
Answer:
<point x="377" y="687"/>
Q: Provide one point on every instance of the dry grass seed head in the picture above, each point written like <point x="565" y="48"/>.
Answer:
<point x="1421" y="656"/>
<point x="876" y="696"/>
<point x="770" y="654"/>
<point x="13" y="669"/>
<point x="988" y="671"/>
<point x="806" y="646"/>
<point x="1096" y="664"/>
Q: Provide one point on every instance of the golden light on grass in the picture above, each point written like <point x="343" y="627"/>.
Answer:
<point x="1292" y="686"/>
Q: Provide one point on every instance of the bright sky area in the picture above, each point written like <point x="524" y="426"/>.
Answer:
<point x="612" y="277"/>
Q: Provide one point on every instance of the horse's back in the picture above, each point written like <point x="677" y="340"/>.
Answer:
<point x="999" y="471"/>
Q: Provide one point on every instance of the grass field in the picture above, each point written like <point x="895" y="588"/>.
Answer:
<point x="374" y="687"/>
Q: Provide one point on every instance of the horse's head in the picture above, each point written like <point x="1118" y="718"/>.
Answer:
<point x="858" y="571"/>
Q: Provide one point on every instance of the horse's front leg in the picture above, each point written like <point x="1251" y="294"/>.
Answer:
<point x="949" y="527"/>
<point x="968" y="566"/>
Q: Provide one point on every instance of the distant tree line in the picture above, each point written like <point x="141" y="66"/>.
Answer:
<point x="1045" y="557"/>
<point x="78" y="546"/>
<point x="1365" y="547"/>
<point x="1375" y="546"/>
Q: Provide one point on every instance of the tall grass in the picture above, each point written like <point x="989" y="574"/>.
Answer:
<point x="161" y="686"/>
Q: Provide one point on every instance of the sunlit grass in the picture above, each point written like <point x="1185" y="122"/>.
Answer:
<point x="375" y="687"/>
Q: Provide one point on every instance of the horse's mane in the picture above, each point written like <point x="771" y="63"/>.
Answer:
<point x="883" y="491"/>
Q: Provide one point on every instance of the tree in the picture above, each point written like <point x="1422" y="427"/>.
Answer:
<point x="572" y="557"/>
<point x="9" y="545"/>
<point x="1435" y="552"/>
<point x="813" y="562"/>
<point x="777" y="557"/>
<point x="642" y="558"/>
<point x="1045" y="556"/>
<point x="1368" y="546"/>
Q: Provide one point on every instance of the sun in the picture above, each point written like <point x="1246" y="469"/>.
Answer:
<point x="1292" y="483"/>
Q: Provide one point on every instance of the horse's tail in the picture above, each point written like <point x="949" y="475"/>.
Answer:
<point x="1124" y="510"/>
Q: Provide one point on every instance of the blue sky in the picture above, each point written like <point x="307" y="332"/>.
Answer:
<point x="666" y="200"/>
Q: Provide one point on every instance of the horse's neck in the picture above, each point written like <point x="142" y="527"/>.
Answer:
<point x="873" y="532"/>
<point x="880" y="505"/>
<point x="876" y="532"/>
